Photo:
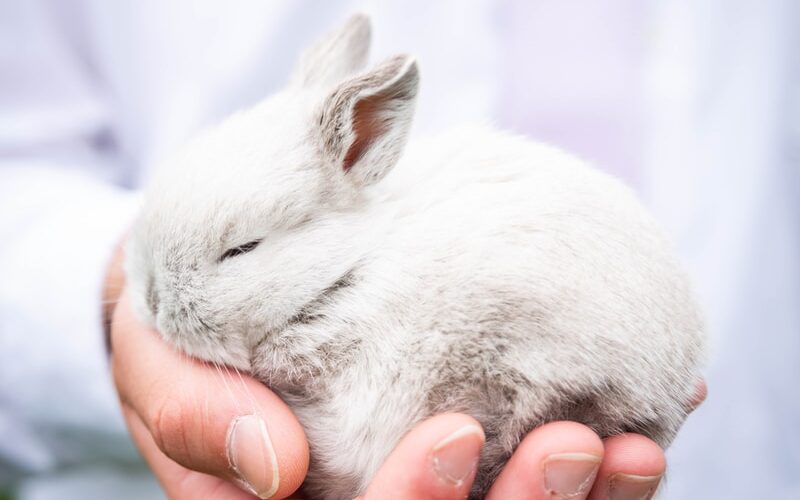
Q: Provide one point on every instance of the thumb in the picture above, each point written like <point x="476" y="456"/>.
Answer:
<point x="206" y="418"/>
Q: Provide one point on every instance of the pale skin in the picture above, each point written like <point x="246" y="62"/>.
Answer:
<point x="179" y="410"/>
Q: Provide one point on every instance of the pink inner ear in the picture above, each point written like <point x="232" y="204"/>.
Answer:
<point x="367" y="126"/>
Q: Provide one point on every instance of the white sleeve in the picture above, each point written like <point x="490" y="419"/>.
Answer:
<point x="61" y="213"/>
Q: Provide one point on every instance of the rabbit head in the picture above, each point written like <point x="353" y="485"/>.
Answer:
<point x="239" y="230"/>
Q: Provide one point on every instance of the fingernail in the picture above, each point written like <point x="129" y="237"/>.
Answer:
<point x="570" y="475"/>
<point x="251" y="455"/>
<point x="455" y="458"/>
<point x="631" y="487"/>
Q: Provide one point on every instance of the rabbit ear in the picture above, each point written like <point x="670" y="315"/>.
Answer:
<point x="337" y="56"/>
<point x="364" y="123"/>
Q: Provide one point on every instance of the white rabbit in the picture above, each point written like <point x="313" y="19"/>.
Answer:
<point x="484" y="274"/>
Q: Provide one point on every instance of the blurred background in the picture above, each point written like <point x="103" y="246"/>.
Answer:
<point x="694" y="103"/>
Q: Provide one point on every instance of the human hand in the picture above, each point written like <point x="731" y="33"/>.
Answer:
<point x="559" y="460"/>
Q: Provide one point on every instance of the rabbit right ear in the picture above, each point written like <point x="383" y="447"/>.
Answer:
<point x="336" y="57"/>
<point x="364" y="123"/>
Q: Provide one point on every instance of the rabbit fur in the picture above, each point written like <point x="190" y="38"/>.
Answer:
<point x="372" y="287"/>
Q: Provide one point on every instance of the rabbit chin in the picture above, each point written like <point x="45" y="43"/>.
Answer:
<point x="228" y="353"/>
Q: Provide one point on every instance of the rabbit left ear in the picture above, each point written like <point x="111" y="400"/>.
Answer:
<point x="336" y="57"/>
<point x="364" y="123"/>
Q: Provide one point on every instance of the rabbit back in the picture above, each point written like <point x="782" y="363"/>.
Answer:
<point x="510" y="282"/>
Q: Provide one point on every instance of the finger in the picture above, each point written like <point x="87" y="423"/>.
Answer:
<point x="178" y="482"/>
<point x="556" y="460"/>
<point x="700" y="395"/>
<point x="632" y="468"/>
<point x="438" y="460"/>
<point x="207" y="419"/>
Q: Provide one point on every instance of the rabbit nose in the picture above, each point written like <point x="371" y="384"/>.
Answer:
<point x="152" y="298"/>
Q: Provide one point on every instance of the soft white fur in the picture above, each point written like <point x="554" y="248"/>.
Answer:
<point x="487" y="273"/>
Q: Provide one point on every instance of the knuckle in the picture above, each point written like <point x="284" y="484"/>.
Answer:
<point x="169" y="421"/>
